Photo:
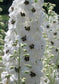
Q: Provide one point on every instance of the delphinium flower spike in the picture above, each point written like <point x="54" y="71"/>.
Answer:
<point x="51" y="28"/>
<point x="24" y="44"/>
<point x="50" y="33"/>
<point x="50" y="73"/>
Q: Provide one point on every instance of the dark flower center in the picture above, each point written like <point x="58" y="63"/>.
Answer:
<point x="33" y="10"/>
<point x="12" y="22"/>
<point x="55" y="33"/>
<point x="22" y="14"/>
<point x="24" y="38"/>
<point x="52" y="42"/>
<point x="26" y="2"/>
<point x="12" y="8"/>
<point x="32" y="74"/>
<point x="47" y="26"/>
<point x="27" y="28"/>
<point x="26" y="58"/>
<point x="56" y="50"/>
<point x="31" y="46"/>
<point x="7" y="51"/>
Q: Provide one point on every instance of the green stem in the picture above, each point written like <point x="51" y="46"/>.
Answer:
<point x="19" y="67"/>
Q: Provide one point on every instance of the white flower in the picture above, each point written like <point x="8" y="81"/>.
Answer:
<point x="51" y="29"/>
<point x="25" y="21"/>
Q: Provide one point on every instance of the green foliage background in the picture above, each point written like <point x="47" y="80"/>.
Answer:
<point x="3" y="28"/>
